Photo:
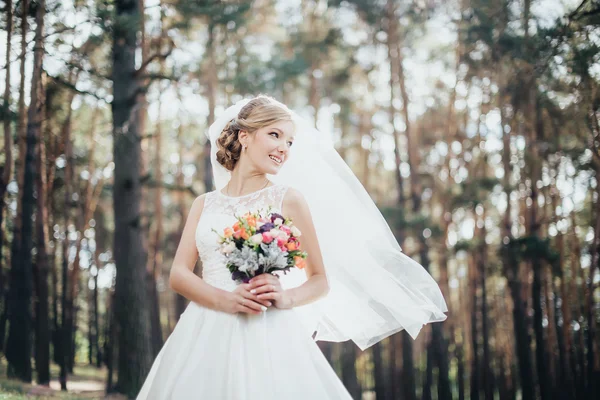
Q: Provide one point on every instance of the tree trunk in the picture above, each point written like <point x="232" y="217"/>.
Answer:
<point x="42" y="312"/>
<point x="378" y="371"/>
<point x="536" y="264"/>
<point x="180" y="301"/>
<point x="349" y="370"/>
<point x="593" y="367"/>
<point x="156" y="261"/>
<point x="18" y="347"/>
<point x="132" y="316"/>
<point x="19" y="165"/>
<point x="475" y="363"/>
<point x="96" y="316"/>
<point x="487" y="366"/>
<point x="511" y="269"/>
<point x="212" y="99"/>
<point x="563" y="334"/>
<point x="66" y="299"/>
<point x="7" y="169"/>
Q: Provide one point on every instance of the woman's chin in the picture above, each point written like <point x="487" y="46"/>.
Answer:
<point x="272" y="170"/>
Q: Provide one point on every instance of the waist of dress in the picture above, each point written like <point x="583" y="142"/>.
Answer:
<point x="219" y="277"/>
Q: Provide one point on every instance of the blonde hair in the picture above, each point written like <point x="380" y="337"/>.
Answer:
<point x="261" y="111"/>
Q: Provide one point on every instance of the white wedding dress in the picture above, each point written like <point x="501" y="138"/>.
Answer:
<point x="212" y="355"/>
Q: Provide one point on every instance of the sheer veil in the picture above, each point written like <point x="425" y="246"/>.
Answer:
<point x="376" y="290"/>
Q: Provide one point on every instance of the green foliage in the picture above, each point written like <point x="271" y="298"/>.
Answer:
<point x="532" y="248"/>
<point x="217" y="12"/>
<point x="412" y="223"/>
<point x="474" y="191"/>
<point x="466" y="245"/>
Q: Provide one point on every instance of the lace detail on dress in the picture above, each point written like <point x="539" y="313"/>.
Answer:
<point x="218" y="213"/>
<point x="221" y="204"/>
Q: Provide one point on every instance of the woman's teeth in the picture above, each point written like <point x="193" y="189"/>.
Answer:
<point x="275" y="159"/>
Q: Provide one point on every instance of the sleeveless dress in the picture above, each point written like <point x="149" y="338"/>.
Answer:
<point x="213" y="355"/>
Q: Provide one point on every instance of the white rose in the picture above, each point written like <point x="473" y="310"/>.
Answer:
<point x="296" y="232"/>
<point x="256" y="239"/>
<point x="228" y="248"/>
<point x="283" y="235"/>
<point x="274" y="232"/>
<point x="278" y="221"/>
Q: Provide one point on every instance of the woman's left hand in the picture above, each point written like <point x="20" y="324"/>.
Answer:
<point x="268" y="287"/>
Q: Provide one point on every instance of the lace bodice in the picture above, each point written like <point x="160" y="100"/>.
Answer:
<point x="218" y="213"/>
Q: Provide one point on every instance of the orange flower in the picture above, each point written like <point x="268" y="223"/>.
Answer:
<point x="236" y="226"/>
<point x="228" y="232"/>
<point x="291" y="246"/>
<point x="299" y="261"/>
<point x="244" y="235"/>
<point x="251" y="221"/>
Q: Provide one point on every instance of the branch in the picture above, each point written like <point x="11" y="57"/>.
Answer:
<point x="72" y="87"/>
<point x="160" y="76"/>
<point x="91" y="71"/>
<point x="155" y="56"/>
<point x="578" y="8"/>
<point x="151" y="183"/>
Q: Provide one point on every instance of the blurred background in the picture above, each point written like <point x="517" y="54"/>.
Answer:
<point x="474" y="125"/>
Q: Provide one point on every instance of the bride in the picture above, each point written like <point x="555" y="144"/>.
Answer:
<point x="255" y="340"/>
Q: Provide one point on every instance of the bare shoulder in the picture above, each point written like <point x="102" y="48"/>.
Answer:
<point x="198" y="205"/>
<point x="294" y="202"/>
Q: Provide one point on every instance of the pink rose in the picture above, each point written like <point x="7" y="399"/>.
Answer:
<point x="281" y="243"/>
<point x="285" y="228"/>
<point x="267" y="237"/>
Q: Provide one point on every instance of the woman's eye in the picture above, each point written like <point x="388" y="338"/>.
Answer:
<point x="274" y="133"/>
<point x="290" y="144"/>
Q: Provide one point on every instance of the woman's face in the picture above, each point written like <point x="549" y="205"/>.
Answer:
<point x="269" y="147"/>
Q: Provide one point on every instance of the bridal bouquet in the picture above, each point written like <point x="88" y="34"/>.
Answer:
<point x="261" y="242"/>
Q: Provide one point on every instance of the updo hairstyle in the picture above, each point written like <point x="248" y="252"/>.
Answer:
<point x="261" y="111"/>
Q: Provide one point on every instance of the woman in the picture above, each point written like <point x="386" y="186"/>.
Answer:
<point x="253" y="341"/>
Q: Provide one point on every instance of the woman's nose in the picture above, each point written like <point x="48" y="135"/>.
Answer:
<point x="283" y="148"/>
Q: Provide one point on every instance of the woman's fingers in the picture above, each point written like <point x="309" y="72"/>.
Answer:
<point x="252" y="296"/>
<point x="270" y="296"/>
<point x="263" y="279"/>
<point x="267" y="287"/>
<point x="248" y="310"/>
<point x="253" y="302"/>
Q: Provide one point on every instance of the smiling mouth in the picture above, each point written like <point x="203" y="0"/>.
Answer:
<point x="275" y="159"/>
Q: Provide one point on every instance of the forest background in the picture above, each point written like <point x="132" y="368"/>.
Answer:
<point x="474" y="125"/>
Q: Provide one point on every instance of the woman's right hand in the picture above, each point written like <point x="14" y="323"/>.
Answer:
<point x="241" y="300"/>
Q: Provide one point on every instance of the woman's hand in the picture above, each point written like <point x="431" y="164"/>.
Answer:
<point x="241" y="300"/>
<point x="267" y="287"/>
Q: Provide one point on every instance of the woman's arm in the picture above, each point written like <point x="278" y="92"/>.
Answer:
<point x="295" y="207"/>
<point x="184" y="281"/>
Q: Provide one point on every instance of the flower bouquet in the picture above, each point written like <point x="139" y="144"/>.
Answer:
<point x="261" y="243"/>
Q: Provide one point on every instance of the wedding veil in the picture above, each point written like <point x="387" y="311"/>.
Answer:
<point x="375" y="289"/>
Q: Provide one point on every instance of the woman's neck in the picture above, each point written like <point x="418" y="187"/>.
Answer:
<point x="242" y="183"/>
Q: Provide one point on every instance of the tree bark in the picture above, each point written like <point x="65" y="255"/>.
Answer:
<point x="66" y="299"/>
<point x="180" y="301"/>
<point x="156" y="261"/>
<point x="18" y="347"/>
<point x="378" y="371"/>
<point x="132" y="316"/>
<point x="19" y="165"/>
<point x="212" y="83"/>
<point x="349" y="370"/>
<point x="42" y="312"/>
<point x="7" y="168"/>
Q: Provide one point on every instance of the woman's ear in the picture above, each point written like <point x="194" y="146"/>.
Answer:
<point x="243" y="138"/>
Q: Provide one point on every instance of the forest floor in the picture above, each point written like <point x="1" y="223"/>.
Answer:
<point x="87" y="382"/>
